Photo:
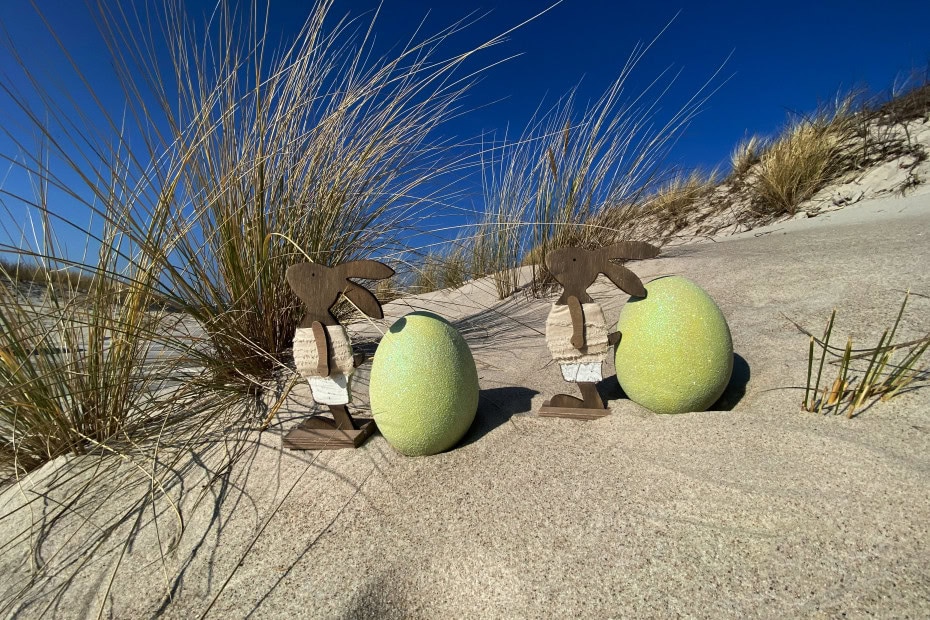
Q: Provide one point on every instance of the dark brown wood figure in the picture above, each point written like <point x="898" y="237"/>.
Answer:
<point x="323" y="352"/>
<point x="576" y="332"/>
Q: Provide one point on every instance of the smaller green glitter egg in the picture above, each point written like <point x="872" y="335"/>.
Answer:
<point x="424" y="385"/>
<point x="676" y="352"/>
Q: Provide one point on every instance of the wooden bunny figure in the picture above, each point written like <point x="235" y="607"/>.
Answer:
<point x="576" y="332"/>
<point x="323" y="352"/>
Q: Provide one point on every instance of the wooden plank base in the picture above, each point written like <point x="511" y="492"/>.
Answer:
<point x="576" y="413"/>
<point x="306" y="437"/>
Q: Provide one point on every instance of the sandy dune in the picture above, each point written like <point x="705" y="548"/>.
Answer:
<point x="753" y="510"/>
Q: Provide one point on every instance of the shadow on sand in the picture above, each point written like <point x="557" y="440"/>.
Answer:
<point x="736" y="388"/>
<point x="495" y="407"/>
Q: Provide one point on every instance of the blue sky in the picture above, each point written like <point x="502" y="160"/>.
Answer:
<point x="784" y="56"/>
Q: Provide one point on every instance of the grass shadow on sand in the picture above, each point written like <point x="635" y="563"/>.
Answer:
<point x="495" y="407"/>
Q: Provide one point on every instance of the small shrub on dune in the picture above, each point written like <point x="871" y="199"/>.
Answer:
<point x="427" y="275"/>
<point x="811" y="152"/>
<point x="387" y="290"/>
<point x="746" y="155"/>
<point x="437" y="271"/>
<point x="912" y="104"/>
<point x="678" y="198"/>
<point x="496" y="251"/>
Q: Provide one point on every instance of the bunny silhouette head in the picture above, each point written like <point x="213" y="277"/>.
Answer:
<point x="576" y="269"/>
<point x="318" y="287"/>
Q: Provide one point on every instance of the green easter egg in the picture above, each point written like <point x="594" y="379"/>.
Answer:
<point x="676" y="352"/>
<point x="424" y="385"/>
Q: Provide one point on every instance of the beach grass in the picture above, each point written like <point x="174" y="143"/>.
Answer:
<point x="891" y="368"/>
<point x="577" y="175"/>
<point x="801" y="160"/>
<point x="88" y="359"/>
<point x="678" y="197"/>
<point x="219" y="170"/>
<point x="746" y="154"/>
<point x="322" y="161"/>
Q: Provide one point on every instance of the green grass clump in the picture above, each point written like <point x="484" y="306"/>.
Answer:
<point x="88" y="367"/>
<point x="908" y="105"/>
<point x="321" y="152"/>
<point x="883" y="378"/>
<point x="454" y="268"/>
<point x="263" y="158"/>
<point x="427" y="276"/>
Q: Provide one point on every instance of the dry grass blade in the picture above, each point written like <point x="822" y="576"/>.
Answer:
<point x="828" y="331"/>
<point x="807" y="386"/>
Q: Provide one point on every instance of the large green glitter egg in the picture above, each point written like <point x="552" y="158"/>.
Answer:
<point x="676" y="352"/>
<point x="424" y="385"/>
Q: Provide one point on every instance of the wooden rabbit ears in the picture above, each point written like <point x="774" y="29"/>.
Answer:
<point x="318" y="287"/>
<point x="577" y="269"/>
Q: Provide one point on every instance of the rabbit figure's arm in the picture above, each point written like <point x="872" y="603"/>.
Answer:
<point x="321" y="338"/>
<point x="577" y="314"/>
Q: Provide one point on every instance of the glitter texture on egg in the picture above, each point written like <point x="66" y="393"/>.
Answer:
<point x="676" y="352"/>
<point x="424" y="385"/>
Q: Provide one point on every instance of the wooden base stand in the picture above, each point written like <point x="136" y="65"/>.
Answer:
<point x="576" y="413"/>
<point x="565" y="406"/>
<point x="319" y="433"/>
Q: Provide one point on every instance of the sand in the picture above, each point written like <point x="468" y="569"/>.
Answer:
<point x="755" y="509"/>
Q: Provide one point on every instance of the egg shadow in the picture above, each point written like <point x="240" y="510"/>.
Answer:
<point x="609" y="389"/>
<point x="736" y="388"/>
<point x="495" y="407"/>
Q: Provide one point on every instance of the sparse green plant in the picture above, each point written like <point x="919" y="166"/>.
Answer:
<point x="883" y="377"/>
